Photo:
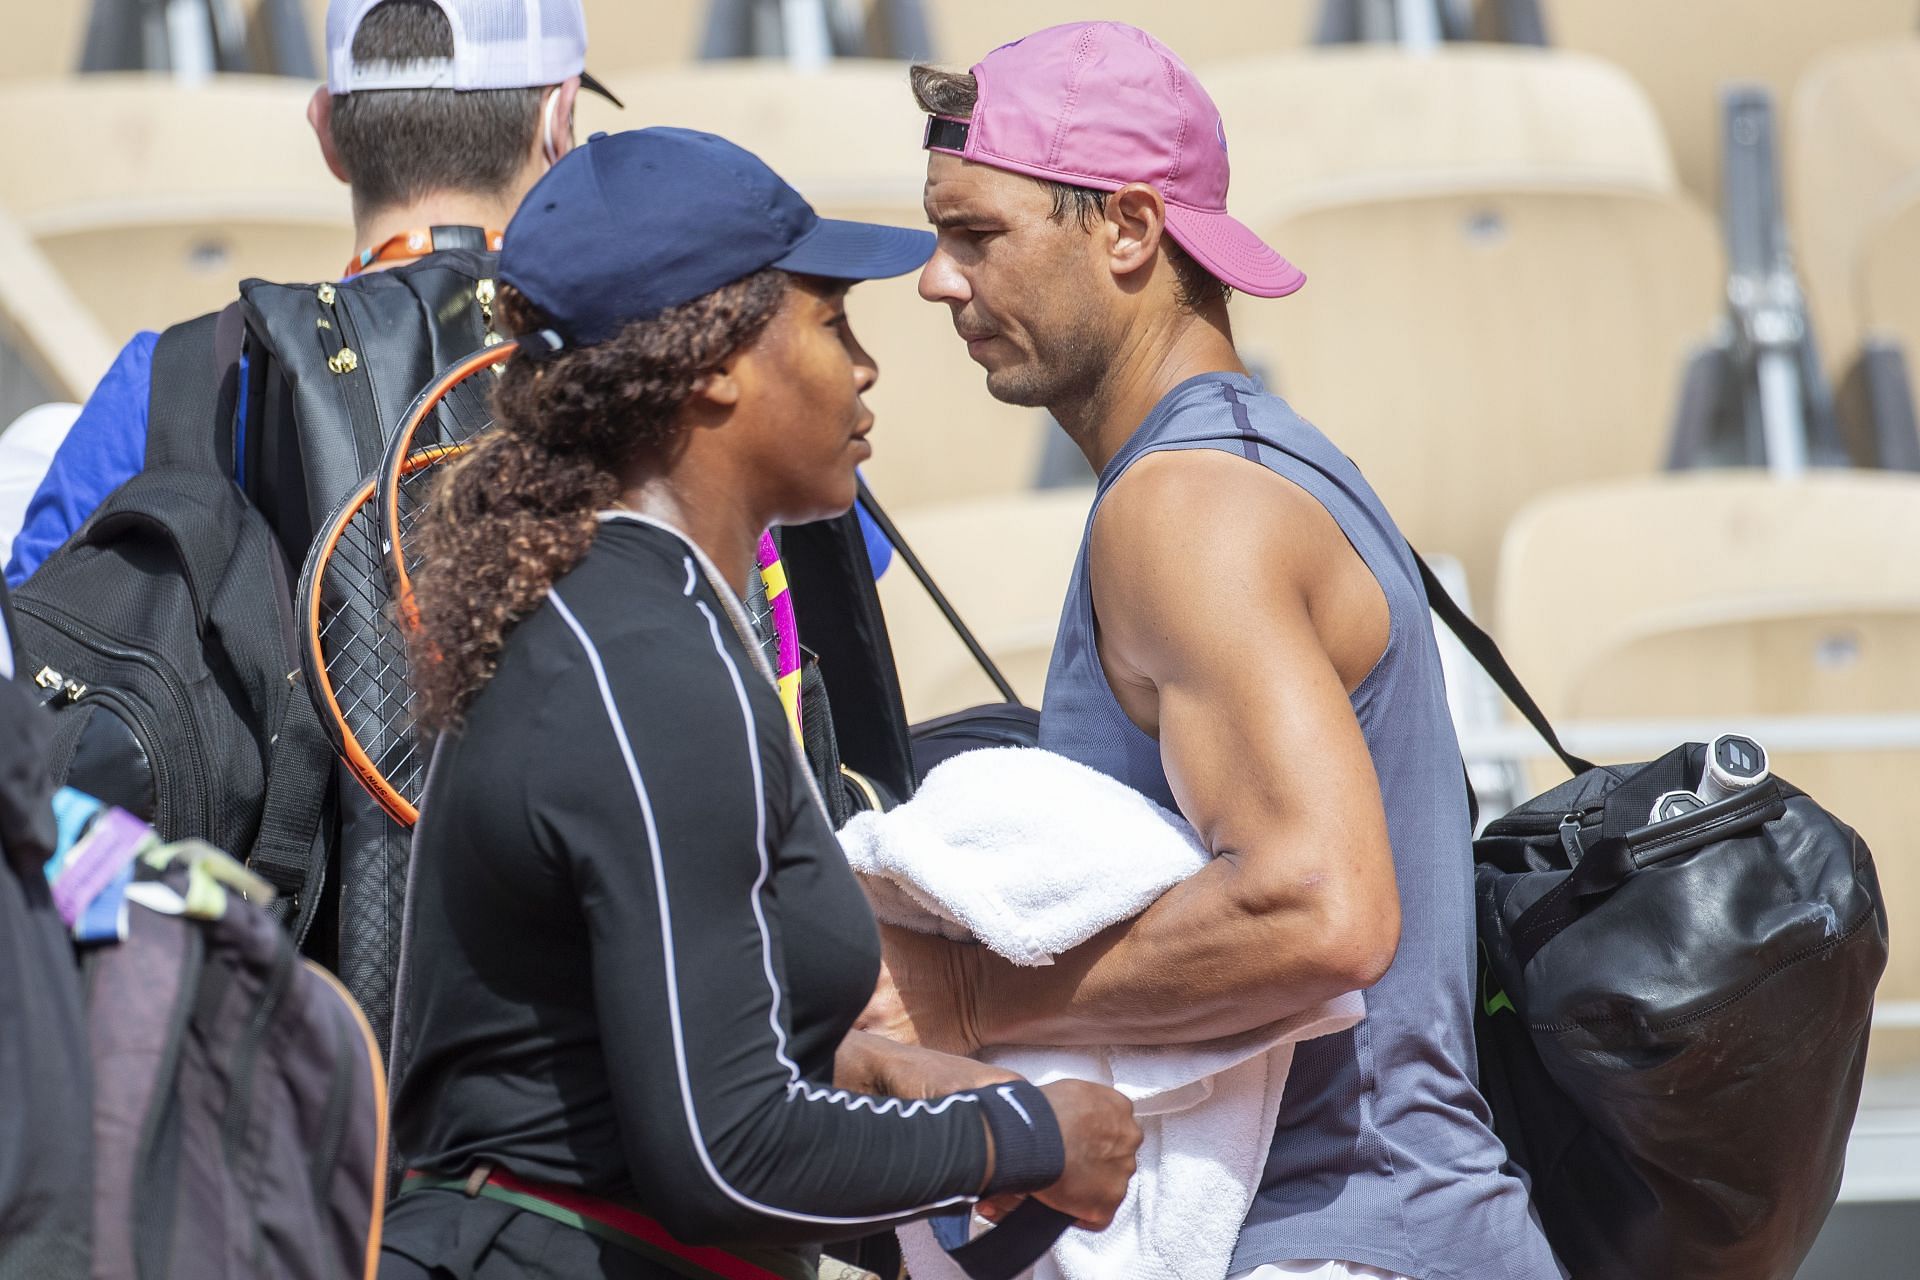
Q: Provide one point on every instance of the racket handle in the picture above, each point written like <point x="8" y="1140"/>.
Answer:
<point x="1734" y="762"/>
<point x="1673" y="804"/>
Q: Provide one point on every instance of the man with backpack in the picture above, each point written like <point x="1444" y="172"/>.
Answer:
<point x="439" y="126"/>
<point x="170" y="688"/>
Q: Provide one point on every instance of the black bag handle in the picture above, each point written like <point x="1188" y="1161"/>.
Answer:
<point x="1485" y="652"/>
<point x="1002" y="1252"/>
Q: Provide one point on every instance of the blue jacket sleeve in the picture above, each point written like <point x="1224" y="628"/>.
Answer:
<point x="105" y="448"/>
<point x="879" y="550"/>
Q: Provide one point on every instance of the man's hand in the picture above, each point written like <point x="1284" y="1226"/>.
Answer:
<point x="926" y="992"/>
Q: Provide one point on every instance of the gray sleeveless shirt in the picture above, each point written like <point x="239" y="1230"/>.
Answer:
<point x="1383" y="1154"/>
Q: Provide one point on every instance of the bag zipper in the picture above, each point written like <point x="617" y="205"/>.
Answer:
<point x="1545" y="824"/>
<point x="346" y="363"/>
<point x="59" y="620"/>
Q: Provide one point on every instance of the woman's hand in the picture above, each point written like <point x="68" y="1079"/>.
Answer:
<point x="1101" y="1137"/>
<point x="1097" y="1127"/>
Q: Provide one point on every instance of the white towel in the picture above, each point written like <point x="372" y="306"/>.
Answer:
<point x="1028" y="851"/>
<point x="1032" y="854"/>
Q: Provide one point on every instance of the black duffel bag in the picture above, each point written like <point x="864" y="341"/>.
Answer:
<point x="1673" y="1017"/>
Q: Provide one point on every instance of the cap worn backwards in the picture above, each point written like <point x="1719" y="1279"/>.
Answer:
<point x="634" y="223"/>
<point x="497" y="44"/>
<point x="1101" y="105"/>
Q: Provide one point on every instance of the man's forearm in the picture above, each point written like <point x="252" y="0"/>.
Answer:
<point x="1213" y="957"/>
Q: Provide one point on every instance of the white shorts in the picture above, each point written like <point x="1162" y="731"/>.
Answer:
<point x="1316" y="1271"/>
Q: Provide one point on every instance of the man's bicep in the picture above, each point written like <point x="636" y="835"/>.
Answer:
<point x="1203" y="599"/>
<point x="1260" y="744"/>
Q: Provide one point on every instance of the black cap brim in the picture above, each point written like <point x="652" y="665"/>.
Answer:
<point x="592" y="85"/>
<point x="841" y="250"/>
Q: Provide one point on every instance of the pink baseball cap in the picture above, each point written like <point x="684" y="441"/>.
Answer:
<point x="1103" y="104"/>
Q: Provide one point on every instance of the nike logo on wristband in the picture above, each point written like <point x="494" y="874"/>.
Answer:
<point x="1006" y="1092"/>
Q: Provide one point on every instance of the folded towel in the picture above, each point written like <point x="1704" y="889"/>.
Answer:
<point x="1025" y="850"/>
<point x="1033" y="854"/>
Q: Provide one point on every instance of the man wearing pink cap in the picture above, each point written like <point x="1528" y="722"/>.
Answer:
<point x="1262" y="660"/>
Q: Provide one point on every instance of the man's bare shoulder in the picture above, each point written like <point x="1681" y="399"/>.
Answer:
<point x="1198" y="553"/>
<point x="1188" y="511"/>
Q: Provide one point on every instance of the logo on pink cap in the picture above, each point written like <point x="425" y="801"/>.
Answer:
<point x="1103" y="104"/>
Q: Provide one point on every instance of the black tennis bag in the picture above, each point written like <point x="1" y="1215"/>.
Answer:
<point x="1673" y="1017"/>
<point x="331" y="371"/>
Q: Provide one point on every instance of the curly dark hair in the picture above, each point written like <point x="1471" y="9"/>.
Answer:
<point x="518" y="511"/>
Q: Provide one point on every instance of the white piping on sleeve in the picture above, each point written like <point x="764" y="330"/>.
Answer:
<point x="837" y="1096"/>
<point x="795" y="1084"/>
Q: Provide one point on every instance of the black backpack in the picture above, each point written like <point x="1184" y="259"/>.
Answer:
<point x="1673" y="1015"/>
<point x="160" y="635"/>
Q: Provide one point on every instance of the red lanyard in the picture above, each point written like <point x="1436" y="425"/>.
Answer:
<point x="416" y="243"/>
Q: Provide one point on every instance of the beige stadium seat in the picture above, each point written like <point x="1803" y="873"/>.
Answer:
<point x="621" y="34"/>
<point x="1735" y="596"/>
<point x="848" y="139"/>
<point x="1675" y="542"/>
<point x="625" y="34"/>
<point x="1684" y="51"/>
<point x="1004" y="565"/>
<point x="1363" y="121"/>
<point x="44" y="38"/>
<point x="1471" y="351"/>
<point x="155" y="200"/>
<point x="47" y="338"/>
<point x="1852" y="157"/>
<point x="965" y="31"/>
<point x="1887" y="282"/>
<point x="847" y="136"/>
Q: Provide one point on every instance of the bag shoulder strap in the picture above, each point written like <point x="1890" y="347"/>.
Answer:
<point x="194" y="394"/>
<point x="286" y="853"/>
<point x="1485" y="652"/>
<point x="194" y="391"/>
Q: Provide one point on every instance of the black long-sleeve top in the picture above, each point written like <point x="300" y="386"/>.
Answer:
<point x="634" y="945"/>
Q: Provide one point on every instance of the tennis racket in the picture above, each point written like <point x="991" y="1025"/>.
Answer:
<point x="770" y="607"/>
<point x="353" y="645"/>
<point x="355" y="597"/>
<point x="354" y="656"/>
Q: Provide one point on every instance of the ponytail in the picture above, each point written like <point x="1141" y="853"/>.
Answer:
<point x="520" y="510"/>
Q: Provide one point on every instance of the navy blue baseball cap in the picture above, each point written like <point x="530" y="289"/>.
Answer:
<point x="634" y="223"/>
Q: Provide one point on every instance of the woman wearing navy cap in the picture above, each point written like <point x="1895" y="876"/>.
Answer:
<point x="634" y="951"/>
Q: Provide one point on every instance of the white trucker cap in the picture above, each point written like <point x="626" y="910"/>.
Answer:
<point x="497" y="44"/>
